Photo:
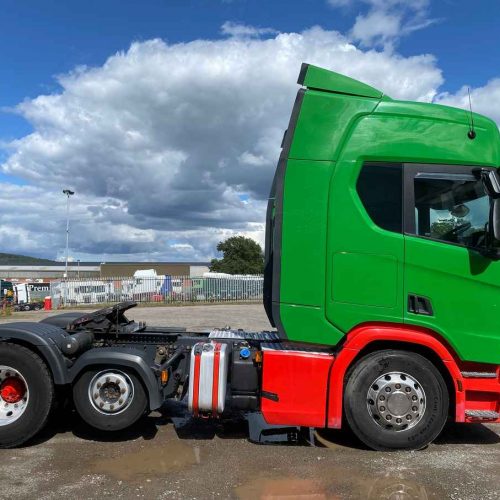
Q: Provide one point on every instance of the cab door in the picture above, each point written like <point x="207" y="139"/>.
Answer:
<point x="450" y="284"/>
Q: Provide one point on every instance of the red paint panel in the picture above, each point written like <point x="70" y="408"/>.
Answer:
<point x="196" y="383"/>
<point x="215" y="384"/>
<point x="300" y="380"/>
<point x="364" y="335"/>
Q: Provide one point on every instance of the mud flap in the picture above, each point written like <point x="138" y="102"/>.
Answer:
<point x="260" y="432"/>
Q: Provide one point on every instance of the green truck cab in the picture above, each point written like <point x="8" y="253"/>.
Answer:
<point x="379" y="212"/>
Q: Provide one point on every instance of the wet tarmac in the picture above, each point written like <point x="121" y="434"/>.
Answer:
<point x="202" y="459"/>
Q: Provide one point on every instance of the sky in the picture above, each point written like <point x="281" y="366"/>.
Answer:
<point x="166" y="116"/>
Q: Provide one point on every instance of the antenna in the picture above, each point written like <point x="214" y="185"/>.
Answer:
<point x="471" y="134"/>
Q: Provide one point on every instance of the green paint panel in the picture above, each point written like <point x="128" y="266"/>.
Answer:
<point x="308" y="324"/>
<point x="356" y="279"/>
<point x="304" y="232"/>
<point x="319" y="78"/>
<point x="382" y="137"/>
<point x="372" y="268"/>
<point x="323" y="123"/>
<point x="464" y="288"/>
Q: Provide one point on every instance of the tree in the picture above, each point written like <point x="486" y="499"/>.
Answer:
<point x="240" y="256"/>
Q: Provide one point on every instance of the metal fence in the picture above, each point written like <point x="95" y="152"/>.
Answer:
<point x="157" y="289"/>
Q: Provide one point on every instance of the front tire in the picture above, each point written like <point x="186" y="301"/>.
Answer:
<point x="395" y="400"/>
<point x="109" y="399"/>
<point x="26" y="394"/>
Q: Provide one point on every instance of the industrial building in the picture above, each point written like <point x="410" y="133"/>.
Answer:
<point x="47" y="273"/>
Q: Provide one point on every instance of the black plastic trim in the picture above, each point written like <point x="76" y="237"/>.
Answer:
<point x="272" y="262"/>
<point x="46" y="340"/>
<point x="270" y="395"/>
<point x="417" y="304"/>
<point x="302" y="74"/>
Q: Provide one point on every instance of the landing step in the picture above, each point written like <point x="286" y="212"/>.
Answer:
<point x="479" y="374"/>
<point x="483" y="414"/>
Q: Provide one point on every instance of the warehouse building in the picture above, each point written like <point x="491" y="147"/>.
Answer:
<point x="98" y="270"/>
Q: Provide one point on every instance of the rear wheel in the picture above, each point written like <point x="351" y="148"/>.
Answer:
<point x="109" y="399"/>
<point x="395" y="400"/>
<point x="26" y="394"/>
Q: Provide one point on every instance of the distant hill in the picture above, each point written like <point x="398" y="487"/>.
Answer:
<point x="10" y="259"/>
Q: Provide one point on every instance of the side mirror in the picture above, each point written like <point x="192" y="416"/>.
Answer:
<point x="491" y="182"/>
<point x="495" y="218"/>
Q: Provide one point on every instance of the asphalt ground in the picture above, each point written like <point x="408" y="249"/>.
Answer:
<point x="200" y="459"/>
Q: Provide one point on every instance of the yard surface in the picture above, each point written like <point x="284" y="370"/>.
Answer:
<point x="203" y="460"/>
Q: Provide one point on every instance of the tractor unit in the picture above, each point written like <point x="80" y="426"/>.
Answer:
<point x="392" y="211"/>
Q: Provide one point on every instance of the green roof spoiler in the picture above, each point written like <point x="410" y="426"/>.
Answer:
<point x="314" y="77"/>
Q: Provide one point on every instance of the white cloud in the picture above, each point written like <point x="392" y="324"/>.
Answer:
<point x="161" y="140"/>
<point x="383" y="22"/>
<point x="238" y="30"/>
<point x="485" y="100"/>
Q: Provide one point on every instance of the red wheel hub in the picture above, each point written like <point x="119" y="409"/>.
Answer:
<point x="12" y="390"/>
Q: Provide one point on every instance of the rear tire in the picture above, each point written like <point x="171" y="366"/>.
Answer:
<point x="23" y="370"/>
<point x="395" y="400"/>
<point x="109" y="399"/>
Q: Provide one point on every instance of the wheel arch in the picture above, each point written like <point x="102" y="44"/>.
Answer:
<point x="52" y="359"/>
<point x="120" y="358"/>
<point x="368" y="338"/>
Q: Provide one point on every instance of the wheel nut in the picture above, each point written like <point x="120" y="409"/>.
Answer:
<point x="414" y="398"/>
<point x="414" y="408"/>
<point x="107" y="379"/>
<point x="387" y="389"/>
<point x="388" y="417"/>
<point x="398" y="420"/>
<point x="408" y="389"/>
<point x="112" y="407"/>
<point x="101" y="404"/>
<point x="382" y="408"/>
<point x="96" y="395"/>
<point x="408" y="417"/>
<point x="382" y="398"/>
<point x="117" y="382"/>
<point x="120" y="401"/>
<point x="398" y="386"/>
<point x="122" y="391"/>
<point x="99" y="385"/>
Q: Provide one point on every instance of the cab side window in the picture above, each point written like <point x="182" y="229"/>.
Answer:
<point x="380" y="188"/>
<point x="451" y="208"/>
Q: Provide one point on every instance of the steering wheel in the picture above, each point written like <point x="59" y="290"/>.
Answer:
<point x="457" y="230"/>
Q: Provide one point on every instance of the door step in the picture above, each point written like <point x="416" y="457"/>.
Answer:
<point x="479" y="374"/>
<point x="483" y="414"/>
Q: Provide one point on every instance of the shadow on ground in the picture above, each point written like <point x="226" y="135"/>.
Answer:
<point x="65" y="420"/>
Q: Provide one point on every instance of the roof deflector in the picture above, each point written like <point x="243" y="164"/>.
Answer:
<point x="314" y="77"/>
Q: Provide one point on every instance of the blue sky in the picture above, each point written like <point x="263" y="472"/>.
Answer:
<point x="163" y="141"/>
<point x="43" y="39"/>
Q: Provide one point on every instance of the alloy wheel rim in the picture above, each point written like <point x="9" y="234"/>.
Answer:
<point x="111" y="392"/>
<point x="14" y="395"/>
<point x="396" y="401"/>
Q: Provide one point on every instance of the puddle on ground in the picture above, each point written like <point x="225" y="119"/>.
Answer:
<point x="267" y="489"/>
<point x="149" y="461"/>
<point x="393" y="488"/>
<point x="383" y="488"/>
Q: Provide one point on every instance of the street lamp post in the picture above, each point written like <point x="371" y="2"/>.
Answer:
<point x="68" y="193"/>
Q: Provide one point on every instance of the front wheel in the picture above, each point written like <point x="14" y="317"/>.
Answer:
<point x="395" y="400"/>
<point x="26" y="394"/>
<point x="109" y="399"/>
